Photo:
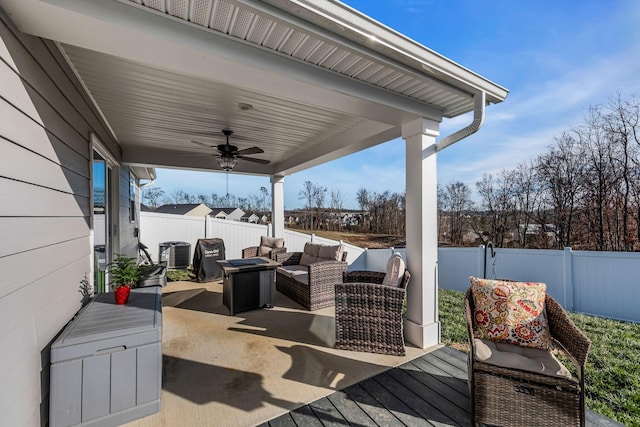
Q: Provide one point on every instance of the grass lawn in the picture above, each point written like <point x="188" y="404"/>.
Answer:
<point x="613" y="365"/>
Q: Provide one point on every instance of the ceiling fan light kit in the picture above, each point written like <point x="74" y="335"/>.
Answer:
<point x="227" y="163"/>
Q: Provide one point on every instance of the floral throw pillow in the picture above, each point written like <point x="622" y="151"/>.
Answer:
<point x="512" y="312"/>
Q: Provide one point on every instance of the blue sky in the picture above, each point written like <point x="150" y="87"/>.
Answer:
<point x="556" y="57"/>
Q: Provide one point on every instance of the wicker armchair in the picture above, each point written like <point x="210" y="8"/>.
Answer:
<point x="513" y="397"/>
<point x="315" y="288"/>
<point x="369" y="314"/>
<point x="269" y="247"/>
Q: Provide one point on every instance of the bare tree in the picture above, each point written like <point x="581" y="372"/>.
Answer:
<point x="456" y="203"/>
<point x="319" y="196"/>
<point x="364" y="200"/>
<point x="526" y="194"/>
<point x="496" y="199"/>
<point x="623" y="127"/>
<point x="560" y="170"/>
<point x="313" y="196"/>
<point x="336" y="204"/>
<point x="152" y="196"/>
<point x="178" y="196"/>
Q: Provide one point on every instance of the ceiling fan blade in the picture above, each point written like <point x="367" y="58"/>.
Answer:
<point x="254" y="160"/>
<point x="252" y="150"/>
<point x="203" y="144"/>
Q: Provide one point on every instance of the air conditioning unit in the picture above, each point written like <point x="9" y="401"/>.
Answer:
<point x="175" y="254"/>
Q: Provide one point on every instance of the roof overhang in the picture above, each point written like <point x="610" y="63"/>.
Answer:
<point x="323" y="80"/>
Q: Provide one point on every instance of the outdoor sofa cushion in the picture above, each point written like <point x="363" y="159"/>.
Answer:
<point x="512" y="312"/>
<point x="316" y="252"/>
<point x="269" y="243"/>
<point x="313" y="253"/>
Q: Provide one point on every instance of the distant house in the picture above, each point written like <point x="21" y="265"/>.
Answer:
<point x="535" y="230"/>
<point x="251" y="218"/>
<point x="234" y="214"/>
<point x="188" y="209"/>
<point x="471" y="238"/>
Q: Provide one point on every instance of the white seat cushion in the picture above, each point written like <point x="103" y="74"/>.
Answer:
<point x="395" y="271"/>
<point x="298" y="272"/>
<point x="518" y="357"/>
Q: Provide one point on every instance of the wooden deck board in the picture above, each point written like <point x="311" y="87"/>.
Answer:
<point x="428" y="391"/>
<point x="350" y="410"/>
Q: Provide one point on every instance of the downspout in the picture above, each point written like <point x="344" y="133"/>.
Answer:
<point x="479" y="100"/>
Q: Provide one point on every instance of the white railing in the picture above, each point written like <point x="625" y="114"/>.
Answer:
<point x="599" y="283"/>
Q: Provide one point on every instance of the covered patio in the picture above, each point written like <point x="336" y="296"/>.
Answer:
<point x="306" y="82"/>
<point x="132" y="84"/>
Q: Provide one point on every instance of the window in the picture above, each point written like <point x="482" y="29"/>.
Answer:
<point x="132" y="198"/>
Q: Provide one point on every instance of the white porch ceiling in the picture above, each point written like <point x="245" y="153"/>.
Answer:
<point x="323" y="80"/>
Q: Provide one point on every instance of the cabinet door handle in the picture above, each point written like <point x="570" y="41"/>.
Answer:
<point x="110" y="350"/>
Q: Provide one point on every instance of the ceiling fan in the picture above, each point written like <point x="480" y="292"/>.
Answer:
<point x="229" y="154"/>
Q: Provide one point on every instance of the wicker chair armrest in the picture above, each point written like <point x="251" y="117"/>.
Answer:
<point x="563" y="330"/>
<point x="288" y="258"/>
<point x="363" y="277"/>
<point x="369" y="295"/>
<point x="250" y="252"/>
<point x="326" y="273"/>
<point x="276" y="251"/>
<point x="469" y="317"/>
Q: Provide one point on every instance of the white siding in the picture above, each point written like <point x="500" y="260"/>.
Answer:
<point x="45" y="160"/>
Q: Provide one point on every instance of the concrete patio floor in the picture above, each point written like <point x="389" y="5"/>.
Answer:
<point x="246" y="369"/>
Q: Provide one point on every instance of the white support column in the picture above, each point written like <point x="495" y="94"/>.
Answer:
<point x="277" y="205"/>
<point x="421" y="326"/>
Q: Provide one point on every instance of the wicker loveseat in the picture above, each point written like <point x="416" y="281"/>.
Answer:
<point x="522" y="386"/>
<point x="369" y="312"/>
<point x="309" y="277"/>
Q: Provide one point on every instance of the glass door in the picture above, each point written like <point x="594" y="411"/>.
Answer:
<point x="102" y="224"/>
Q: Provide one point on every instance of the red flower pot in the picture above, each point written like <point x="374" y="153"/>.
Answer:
<point x="122" y="294"/>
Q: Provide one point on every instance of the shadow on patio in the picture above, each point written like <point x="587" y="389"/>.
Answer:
<point x="245" y="369"/>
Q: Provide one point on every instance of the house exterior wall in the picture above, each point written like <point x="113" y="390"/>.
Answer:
<point x="45" y="214"/>
<point x="236" y="215"/>
<point x="200" y="210"/>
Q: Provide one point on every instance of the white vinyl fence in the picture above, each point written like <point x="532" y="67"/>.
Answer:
<point x="159" y="228"/>
<point x="600" y="283"/>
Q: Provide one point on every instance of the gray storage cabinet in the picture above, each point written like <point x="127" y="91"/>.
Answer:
<point x="106" y="366"/>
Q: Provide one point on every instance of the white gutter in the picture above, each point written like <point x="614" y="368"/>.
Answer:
<point x="479" y="100"/>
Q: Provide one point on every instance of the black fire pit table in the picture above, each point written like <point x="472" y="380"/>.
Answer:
<point x="248" y="283"/>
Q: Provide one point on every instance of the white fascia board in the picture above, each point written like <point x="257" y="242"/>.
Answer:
<point x="168" y="43"/>
<point x="360" y="28"/>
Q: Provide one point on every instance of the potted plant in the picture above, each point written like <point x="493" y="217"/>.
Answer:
<point x="123" y="274"/>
